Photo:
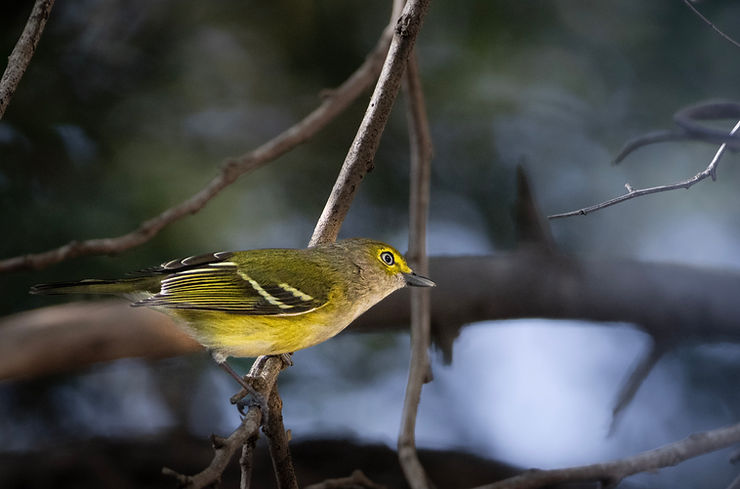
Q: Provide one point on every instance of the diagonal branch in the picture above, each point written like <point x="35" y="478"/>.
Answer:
<point x="611" y="473"/>
<point x="709" y="171"/>
<point x="23" y="51"/>
<point x="361" y="155"/>
<point x="353" y="170"/>
<point x="638" y="375"/>
<point x="330" y="108"/>
<point x="710" y="24"/>
<point x="419" y="369"/>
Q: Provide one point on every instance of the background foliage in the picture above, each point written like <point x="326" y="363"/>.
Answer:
<point x="128" y="108"/>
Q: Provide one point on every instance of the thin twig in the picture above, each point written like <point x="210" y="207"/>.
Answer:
<point x="728" y="38"/>
<point x="635" y="380"/>
<point x="23" y="51"/>
<point x="305" y="129"/>
<point x="419" y="368"/>
<point x="610" y="473"/>
<point x="359" y="160"/>
<point x="709" y="171"/>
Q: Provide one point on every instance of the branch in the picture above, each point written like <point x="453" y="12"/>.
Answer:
<point x="632" y="384"/>
<point x="647" y="139"/>
<point x="331" y="106"/>
<point x="23" y="51"/>
<point x="246" y="461"/>
<point x="687" y="119"/>
<point x="611" y="473"/>
<point x="709" y="171"/>
<point x="359" y="160"/>
<point x="224" y="448"/>
<point x="419" y="369"/>
<point x="353" y="170"/>
<point x="728" y="38"/>
<point x="278" y="440"/>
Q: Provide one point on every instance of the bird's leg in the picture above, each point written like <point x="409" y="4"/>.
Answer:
<point x="287" y="359"/>
<point x="257" y="398"/>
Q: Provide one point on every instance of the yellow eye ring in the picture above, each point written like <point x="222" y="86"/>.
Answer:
<point x="387" y="258"/>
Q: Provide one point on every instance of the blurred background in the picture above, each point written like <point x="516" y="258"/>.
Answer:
<point x="129" y="107"/>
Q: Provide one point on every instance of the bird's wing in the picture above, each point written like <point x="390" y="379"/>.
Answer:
<point x="219" y="284"/>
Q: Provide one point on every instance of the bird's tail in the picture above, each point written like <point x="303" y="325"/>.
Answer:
<point x="121" y="287"/>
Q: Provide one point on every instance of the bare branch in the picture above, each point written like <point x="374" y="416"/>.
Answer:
<point x="419" y="369"/>
<point x="728" y="38"/>
<point x="224" y="450"/>
<point x="265" y="370"/>
<point x="330" y="108"/>
<point x="635" y="380"/>
<point x="359" y="160"/>
<point x="347" y="183"/>
<point x="23" y="51"/>
<point x="278" y="440"/>
<point x="610" y="473"/>
<point x="246" y="461"/>
<point x="709" y="171"/>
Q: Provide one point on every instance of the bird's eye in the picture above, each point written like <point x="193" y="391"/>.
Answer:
<point x="387" y="258"/>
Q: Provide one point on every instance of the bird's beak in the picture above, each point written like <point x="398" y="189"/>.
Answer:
<point x="417" y="280"/>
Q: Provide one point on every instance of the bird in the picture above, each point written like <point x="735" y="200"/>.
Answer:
<point x="263" y="301"/>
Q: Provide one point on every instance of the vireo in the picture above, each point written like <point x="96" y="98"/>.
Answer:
<point x="263" y="302"/>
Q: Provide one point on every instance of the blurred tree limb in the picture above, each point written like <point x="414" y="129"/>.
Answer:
<point x="671" y="303"/>
<point x="20" y="58"/>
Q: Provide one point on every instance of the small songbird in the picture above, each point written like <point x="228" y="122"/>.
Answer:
<point x="263" y="302"/>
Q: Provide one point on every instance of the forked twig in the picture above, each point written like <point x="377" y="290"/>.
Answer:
<point x="709" y="171"/>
